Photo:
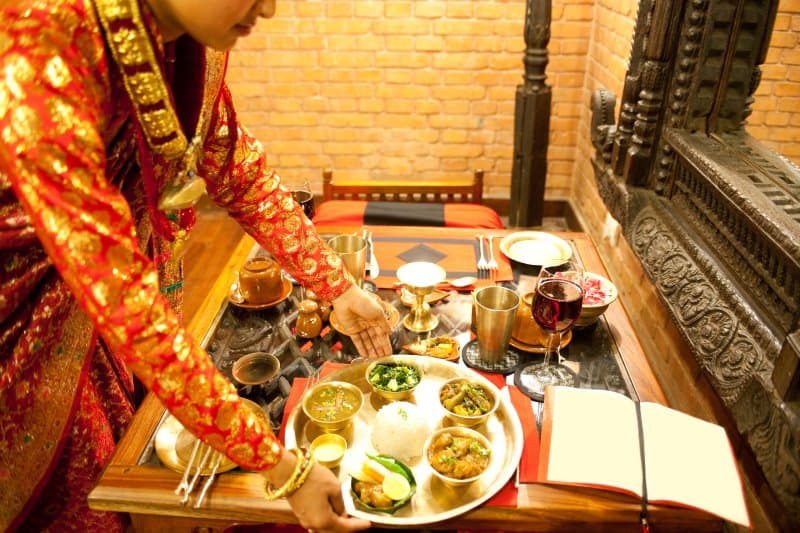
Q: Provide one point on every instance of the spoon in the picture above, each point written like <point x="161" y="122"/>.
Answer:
<point x="235" y="293"/>
<point x="460" y="283"/>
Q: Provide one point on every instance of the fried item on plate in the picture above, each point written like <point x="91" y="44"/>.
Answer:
<point x="441" y="346"/>
<point x="382" y="484"/>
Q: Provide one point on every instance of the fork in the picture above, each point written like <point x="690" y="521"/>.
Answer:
<point x="483" y="265"/>
<point x="200" y="466"/>
<point x="374" y="269"/>
<point x="311" y="379"/>
<point x="183" y="486"/>
<point x="491" y="264"/>
<point x="209" y="480"/>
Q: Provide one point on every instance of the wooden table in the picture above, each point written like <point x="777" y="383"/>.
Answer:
<point x="146" y="490"/>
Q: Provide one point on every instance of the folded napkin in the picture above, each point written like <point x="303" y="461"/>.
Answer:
<point x="457" y="256"/>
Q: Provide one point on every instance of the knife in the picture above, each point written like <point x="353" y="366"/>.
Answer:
<point x="374" y="269"/>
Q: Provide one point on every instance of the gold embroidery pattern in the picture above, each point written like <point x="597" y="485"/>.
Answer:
<point x="45" y="402"/>
<point x="131" y="48"/>
<point x="252" y="193"/>
<point x="87" y="227"/>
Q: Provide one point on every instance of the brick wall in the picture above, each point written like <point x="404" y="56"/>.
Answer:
<point x="425" y="88"/>
<point x="415" y="88"/>
<point x="776" y="110"/>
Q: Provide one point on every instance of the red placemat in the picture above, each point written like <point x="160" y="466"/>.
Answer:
<point x="457" y="256"/>
<point x="529" y="462"/>
<point x="498" y="380"/>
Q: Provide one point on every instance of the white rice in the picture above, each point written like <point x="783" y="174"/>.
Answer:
<point x="400" y="430"/>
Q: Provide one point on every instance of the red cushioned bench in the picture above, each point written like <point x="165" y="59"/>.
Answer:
<point x="357" y="203"/>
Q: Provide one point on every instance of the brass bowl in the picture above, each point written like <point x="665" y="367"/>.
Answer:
<point x="457" y="432"/>
<point x="328" y="449"/>
<point x="319" y="404"/>
<point x="393" y="360"/>
<point x="590" y="312"/>
<point x="467" y="420"/>
<point x="255" y="368"/>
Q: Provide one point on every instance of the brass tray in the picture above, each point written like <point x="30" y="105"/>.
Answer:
<point x="433" y="501"/>
<point x="174" y="449"/>
<point x="173" y="444"/>
<point x="537" y="348"/>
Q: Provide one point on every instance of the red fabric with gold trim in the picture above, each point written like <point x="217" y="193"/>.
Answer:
<point x="67" y="166"/>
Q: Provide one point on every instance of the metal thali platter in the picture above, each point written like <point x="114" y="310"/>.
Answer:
<point x="433" y="501"/>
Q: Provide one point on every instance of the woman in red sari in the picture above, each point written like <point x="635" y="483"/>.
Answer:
<point x="111" y="114"/>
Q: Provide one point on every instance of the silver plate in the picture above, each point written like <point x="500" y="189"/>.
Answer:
<point x="433" y="501"/>
<point x="536" y="248"/>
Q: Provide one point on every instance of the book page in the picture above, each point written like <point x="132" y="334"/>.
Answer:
<point x="594" y="440"/>
<point x="690" y="461"/>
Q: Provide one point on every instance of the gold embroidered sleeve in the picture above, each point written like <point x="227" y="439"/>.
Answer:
<point x="252" y="193"/>
<point x="54" y="95"/>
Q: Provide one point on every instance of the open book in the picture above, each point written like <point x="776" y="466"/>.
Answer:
<point x="591" y="438"/>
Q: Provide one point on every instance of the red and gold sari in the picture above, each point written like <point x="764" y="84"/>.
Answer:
<point x="90" y="287"/>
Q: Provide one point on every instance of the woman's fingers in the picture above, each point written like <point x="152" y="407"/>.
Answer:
<point x="373" y="341"/>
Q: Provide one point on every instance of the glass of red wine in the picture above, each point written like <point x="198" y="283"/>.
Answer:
<point x="301" y="192"/>
<point x="556" y="305"/>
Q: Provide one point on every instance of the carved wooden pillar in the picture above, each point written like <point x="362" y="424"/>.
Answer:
<point x="531" y="121"/>
<point x="627" y="114"/>
<point x="658" y="48"/>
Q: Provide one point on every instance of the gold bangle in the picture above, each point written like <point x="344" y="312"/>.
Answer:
<point x="303" y="474"/>
<point x="302" y="459"/>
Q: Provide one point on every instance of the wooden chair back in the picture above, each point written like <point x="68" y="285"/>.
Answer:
<point x="397" y="191"/>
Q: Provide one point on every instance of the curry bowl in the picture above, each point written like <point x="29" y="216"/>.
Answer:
<point x="332" y="405"/>
<point x="467" y="402"/>
<point x="458" y="456"/>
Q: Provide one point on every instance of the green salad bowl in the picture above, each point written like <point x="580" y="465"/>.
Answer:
<point x="394" y="378"/>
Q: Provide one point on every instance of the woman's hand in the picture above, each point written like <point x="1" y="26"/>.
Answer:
<point x="363" y="319"/>
<point x="318" y="503"/>
<point x="319" y="506"/>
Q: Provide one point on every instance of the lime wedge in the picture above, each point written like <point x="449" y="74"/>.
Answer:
<point x="361" y="474"/>
<point x="396" y="486"/>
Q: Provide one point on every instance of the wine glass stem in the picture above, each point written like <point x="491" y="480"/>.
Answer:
<point x="548" y="349"/>
<point x="558" y="350"/>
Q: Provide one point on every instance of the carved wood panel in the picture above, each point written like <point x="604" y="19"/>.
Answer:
<point x="729" y="342"/>
<point x="714" y="217"/>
